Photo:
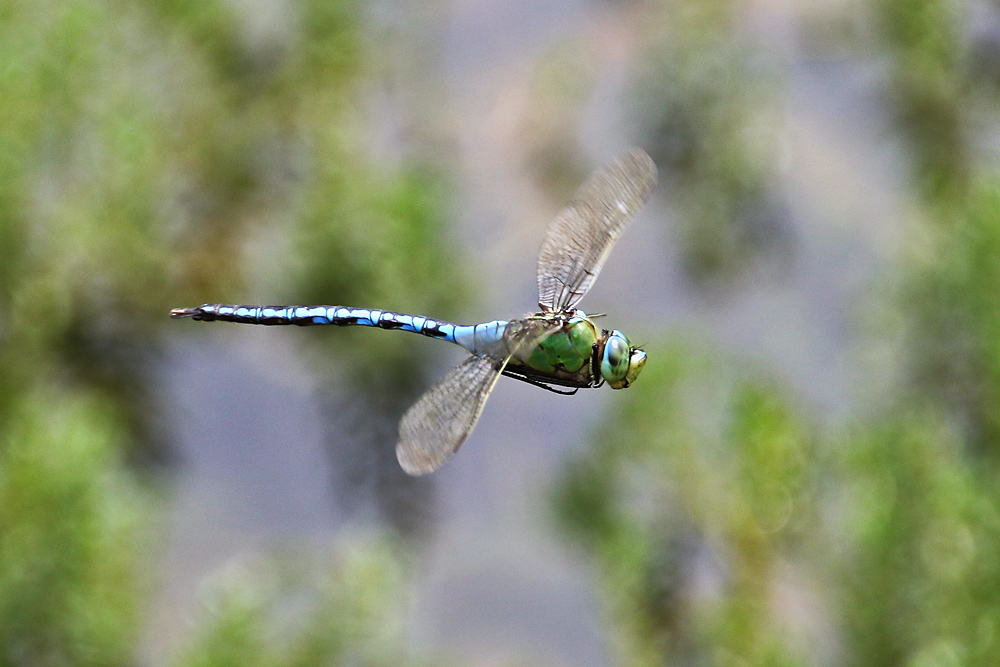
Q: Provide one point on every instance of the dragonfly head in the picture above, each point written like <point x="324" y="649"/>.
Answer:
<point x="620" y="360"/>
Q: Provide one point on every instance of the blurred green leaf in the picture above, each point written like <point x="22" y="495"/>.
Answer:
<point x="146" y="150"/>
<point x="704" y="468"/>
<point x="71" y="531"/>
<point x="286" y="612"/>
<point x="708" y="94"/>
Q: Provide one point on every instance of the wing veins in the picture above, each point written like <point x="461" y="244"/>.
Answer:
<point x="437" y="425"/>
<point x="584" y="232"/>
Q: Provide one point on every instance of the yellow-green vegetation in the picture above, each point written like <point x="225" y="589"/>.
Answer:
<point x="146" y="148"/>
<point x="720" y="481"/>
<point x="164" y="153"/>
<point x="71" y="524"/>
<point x="729" y="525"/>
<point x="283" y="612"/>
<point x="707" y="90"/>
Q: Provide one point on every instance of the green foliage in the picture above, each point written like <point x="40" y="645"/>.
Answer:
<point x="914" y="572"/>
<point x="151" y="152"/>
<point x="144" y="149"/>
<point x="710" y="506"/>
<point x="350" y="610"/>
<point x="928" y="85"/>
<point x="728" y="525"/>
<point x="72" y="526"/>
<point x="708" y="91"/>
<point x="950" y="290"/>
<point x="721" y="474"/>
<point x="955" y="316"/>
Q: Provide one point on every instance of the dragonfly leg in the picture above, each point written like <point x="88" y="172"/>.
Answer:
<point x="538" y="383"/>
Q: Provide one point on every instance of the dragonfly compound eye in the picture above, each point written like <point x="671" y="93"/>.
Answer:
<point x="615" y="360"/>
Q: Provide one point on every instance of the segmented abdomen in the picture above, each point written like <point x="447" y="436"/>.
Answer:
<point x="317" y="315"/>
<point x="475" y="338"/>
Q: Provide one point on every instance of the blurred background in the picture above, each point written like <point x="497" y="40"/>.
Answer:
<point x="806" y="473"/>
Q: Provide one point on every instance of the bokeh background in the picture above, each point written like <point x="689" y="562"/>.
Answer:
<point x="805" y="474"/>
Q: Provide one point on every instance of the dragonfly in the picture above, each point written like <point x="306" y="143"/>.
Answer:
<point x="558" y="348"/>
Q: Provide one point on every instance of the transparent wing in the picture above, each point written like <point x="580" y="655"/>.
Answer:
<point x="521" y="336"/>
<point x="582" y="235"/>
<point x="436" y="425"/>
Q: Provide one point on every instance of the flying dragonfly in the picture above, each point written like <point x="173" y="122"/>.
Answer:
<point x="558" y="347"/>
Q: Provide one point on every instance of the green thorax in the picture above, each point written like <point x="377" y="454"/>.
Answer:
<point x="565" y="354"/>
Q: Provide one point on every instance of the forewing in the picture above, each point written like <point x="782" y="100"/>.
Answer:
<point x="584" y="232"/>
<point x="436" y="425"/>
